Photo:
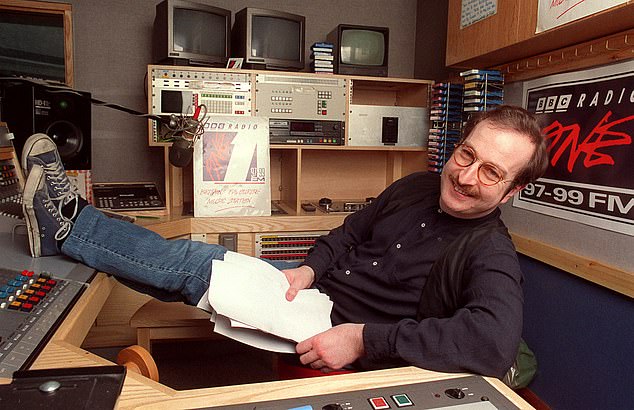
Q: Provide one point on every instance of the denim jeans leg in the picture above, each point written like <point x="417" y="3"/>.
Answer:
<point x="174" y="269"/>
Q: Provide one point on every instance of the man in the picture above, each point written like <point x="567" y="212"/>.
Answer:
<point x="426" y="275"/>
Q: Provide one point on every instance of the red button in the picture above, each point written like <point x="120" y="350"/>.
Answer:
<point x="379" y="403"/>
<point x="34" y="299"/>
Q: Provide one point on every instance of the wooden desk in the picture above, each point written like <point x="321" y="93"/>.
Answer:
<point x="141" y="393"/>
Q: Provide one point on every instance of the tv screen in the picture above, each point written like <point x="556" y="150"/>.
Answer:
<point x="360" y="50"/>
<point x="190" y="33"/>
<point x="269" y="39"/>
<point x="364" y="47"/>
<point x="32" y="45"/>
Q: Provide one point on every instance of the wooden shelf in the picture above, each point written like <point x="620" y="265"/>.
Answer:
<point x="509" y="35"/>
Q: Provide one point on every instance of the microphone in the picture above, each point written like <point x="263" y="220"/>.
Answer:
<point x="181" y="153"/>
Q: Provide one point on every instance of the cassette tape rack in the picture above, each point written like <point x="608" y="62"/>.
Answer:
<point x="446" y="123"/>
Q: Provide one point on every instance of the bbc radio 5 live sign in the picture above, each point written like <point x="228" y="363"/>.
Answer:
<point x="588" y="120"/>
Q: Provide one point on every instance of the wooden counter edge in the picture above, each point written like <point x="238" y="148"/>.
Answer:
<point x="607" y="276"/>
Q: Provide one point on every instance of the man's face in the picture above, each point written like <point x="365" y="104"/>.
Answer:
<point x="462" y="195"/>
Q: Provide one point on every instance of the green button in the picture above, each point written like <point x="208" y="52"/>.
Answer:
<point x="402" y="400"/>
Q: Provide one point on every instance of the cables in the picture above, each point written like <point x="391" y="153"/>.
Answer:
<point x="186" y="127"/>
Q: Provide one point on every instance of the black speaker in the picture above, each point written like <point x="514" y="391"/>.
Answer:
<point x="64" y="115"/>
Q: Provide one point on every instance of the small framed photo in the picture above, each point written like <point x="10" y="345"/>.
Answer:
<point x="234" y="62"/>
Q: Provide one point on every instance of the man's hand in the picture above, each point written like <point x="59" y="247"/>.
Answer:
<point x="334" y="348"/>
<point x="299" y="278"/>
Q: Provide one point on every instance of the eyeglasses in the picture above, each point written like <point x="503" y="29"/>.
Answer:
<point x="488" y="174"/>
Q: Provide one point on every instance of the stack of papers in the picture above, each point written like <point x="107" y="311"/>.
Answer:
<point x="246" y="298"/>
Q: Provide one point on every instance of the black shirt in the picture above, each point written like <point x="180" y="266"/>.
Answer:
<point x="375" y="266"/>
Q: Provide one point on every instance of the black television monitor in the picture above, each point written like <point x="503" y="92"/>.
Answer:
<point x="190" y="33"/>
<point x="33" y="43"/>
<point x="360" y="50"/>
<point x="269" y="39"/>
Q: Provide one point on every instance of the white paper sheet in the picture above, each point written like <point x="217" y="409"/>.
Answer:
<point x="252" y="292"/>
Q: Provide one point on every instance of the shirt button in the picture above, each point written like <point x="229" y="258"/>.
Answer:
<point x="347" y="272"/>
<point x="375" y="263"/>
<point x="398" y="246"/>
<point x="423" y="225"/>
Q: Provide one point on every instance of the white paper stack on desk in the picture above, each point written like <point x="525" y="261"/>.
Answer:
<point x="247" y="300"/>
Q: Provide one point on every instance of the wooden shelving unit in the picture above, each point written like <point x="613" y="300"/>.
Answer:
<point x="306" y="173"/>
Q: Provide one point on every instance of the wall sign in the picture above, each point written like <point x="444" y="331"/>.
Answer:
<point x="554" y="13"/>
<point x="472" y="11"/>
<point x="588" y="119"/>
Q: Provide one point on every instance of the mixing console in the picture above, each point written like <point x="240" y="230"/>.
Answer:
<point x="31" y="307"/>
<point x="462" y="393"/>
<point x="10" y="189"/>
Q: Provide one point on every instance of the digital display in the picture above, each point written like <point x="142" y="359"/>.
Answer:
<point x="302" y="126"/>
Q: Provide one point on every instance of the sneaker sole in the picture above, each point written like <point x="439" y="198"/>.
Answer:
<point x="28" y="148"/>
<point x="32" y="182"/>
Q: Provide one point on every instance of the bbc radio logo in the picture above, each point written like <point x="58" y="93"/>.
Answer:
<point x="554" y="103"/>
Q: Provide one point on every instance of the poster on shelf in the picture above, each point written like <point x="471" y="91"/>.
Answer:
<point x="554" y="13"/>
<point x="472" y="11"/>
<point x="232" y="168"/>
<point x="588" y="119"/>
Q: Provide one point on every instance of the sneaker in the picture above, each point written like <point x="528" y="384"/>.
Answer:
<point x="40" y="150"/>
<point x="44" y="220"/>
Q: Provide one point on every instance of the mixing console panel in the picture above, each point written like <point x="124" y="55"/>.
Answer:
<point x="31" y="307"/>
<point x="462" y="393"/>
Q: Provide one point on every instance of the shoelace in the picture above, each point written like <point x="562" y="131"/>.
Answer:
<point x="64" y="190"/>
<point x="65" y="223"/>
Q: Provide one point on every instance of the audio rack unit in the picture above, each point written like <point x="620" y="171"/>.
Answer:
<point x="302" y="109"/>
<point x="177" y="91"/>
<point x="285" y="246"/>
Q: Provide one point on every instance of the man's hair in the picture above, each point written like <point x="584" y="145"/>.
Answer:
<point x="517" y="119"/>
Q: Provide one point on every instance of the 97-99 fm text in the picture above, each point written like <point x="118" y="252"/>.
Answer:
<point x="618" y="202"/>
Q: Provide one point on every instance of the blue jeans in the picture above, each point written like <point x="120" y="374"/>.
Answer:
<point x="169" y="270"/>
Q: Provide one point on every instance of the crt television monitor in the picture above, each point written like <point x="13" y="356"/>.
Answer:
<point x="269" y="39"/>
<point x="36" y="42"/>
<point x="190" y="33"/>
<point x="360" y="50"/>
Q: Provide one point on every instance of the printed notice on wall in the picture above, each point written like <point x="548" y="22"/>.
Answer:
<point x="231" y="168"/>
<point x="473" y="11"/>
<point x="588" y="119"/>
<point x="554" y="13"/>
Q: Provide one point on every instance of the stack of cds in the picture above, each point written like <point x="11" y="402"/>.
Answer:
<point x="446" y="120"/>
<point x="483" y="90"/>
<point x="322" y="57"/>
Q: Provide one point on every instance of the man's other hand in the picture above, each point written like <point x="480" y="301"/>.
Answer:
<point x="298" y="279"/>
<point x="334" y="348"/>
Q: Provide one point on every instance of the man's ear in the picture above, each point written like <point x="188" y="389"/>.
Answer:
<point x="512" y="192"/>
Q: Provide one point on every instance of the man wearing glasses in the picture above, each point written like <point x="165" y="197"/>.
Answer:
<point x="426" y="275"/>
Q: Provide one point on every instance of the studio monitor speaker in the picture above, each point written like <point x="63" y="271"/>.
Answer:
<point x="64" y="115"/>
